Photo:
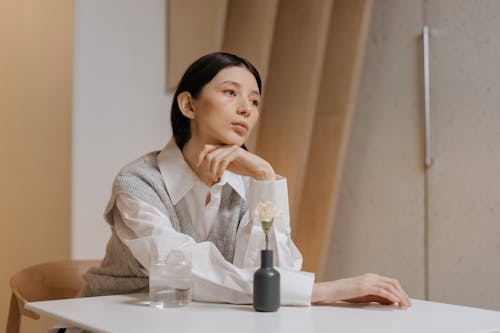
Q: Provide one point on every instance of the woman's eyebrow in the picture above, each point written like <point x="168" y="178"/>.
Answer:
<point x="239" y="85"/>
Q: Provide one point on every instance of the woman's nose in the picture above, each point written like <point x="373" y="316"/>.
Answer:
<point x="244" y="108"/>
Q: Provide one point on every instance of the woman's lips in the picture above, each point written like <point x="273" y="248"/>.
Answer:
<point x="240" y="127"/>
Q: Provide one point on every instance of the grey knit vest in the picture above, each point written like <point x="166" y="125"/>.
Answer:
<point x="119" y="271"/>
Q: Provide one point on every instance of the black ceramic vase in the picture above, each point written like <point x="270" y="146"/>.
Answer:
<point x="266" y="284"/>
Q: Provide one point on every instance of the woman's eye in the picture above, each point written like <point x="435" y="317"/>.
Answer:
<point x="255" y="102"/>
<point x="229" y="92"/>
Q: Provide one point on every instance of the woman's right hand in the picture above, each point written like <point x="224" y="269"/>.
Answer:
<point x="215" y="159"/>
<point x="365" y="288"/>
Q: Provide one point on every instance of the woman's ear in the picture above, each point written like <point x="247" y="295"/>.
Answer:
<point x="185" y="102"/>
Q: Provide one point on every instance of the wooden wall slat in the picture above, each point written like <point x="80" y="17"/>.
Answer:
<point x="249" y="33"/>
<point x="36" y="80"/>
<point x="195" y="27"/>
<point x="293" y="81"/>
<point x="312" y="68"/>
<point x="336" y="106"/>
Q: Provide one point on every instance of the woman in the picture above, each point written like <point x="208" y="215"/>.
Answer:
<point x="196" y="194"/>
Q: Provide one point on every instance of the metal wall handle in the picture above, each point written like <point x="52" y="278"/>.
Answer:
<point x="427" y="102"/>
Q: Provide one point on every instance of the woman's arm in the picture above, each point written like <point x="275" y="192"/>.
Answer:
<point x="149" y="235"/>
<point x="361" y="289"/>
<point x="365" y="288"/>
<point x="265" y="185"/>
<point x="250" y="239"/>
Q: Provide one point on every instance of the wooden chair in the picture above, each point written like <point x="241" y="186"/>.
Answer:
<point x="47" y="281"/>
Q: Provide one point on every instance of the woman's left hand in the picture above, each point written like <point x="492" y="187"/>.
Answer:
<point x="365" y="288"/>
<point x="215" y="159"/>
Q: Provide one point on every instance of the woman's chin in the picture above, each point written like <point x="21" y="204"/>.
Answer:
<point x="236" y="140"/>
<point x="235" y="143"/>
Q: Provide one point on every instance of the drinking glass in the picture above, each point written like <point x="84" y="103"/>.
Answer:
<point x="170" y="281"/>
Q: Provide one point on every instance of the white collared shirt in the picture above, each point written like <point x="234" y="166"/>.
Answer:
<point x="148" y="234"/>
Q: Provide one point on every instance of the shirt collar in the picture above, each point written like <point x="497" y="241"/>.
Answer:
<point x="179" y="178"/>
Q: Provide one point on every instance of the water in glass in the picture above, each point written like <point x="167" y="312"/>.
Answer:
<point x="170" y="282"/>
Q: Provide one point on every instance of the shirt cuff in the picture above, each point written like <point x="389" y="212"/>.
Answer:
<point x="268" y="190"/>
<point x="296" y="287"/>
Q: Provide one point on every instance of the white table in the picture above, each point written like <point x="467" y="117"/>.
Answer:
<point x="131" y="313"/>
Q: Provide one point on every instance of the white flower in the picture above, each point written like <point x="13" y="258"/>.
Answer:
<point x="266" y="211"/>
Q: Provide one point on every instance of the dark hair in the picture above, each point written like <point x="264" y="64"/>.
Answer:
<point x="194" y="79"/>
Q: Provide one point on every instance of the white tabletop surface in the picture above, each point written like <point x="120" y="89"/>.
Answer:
<point x="131" y="313"/>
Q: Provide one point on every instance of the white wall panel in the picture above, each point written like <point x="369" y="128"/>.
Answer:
<point x="120" y="105"/>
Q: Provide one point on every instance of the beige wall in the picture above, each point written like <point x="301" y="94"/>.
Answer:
<point x="379" y="224"/>
<point x="463" y="193"/>
<point x="35" y="136"/>
<point x="436" y="229"/>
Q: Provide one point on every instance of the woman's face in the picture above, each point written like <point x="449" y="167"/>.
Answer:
<point x="227" y="108"/>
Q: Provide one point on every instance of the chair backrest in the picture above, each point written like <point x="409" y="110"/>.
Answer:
<point x="47" y="281"/>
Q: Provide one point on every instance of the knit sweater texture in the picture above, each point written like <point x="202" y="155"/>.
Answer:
<point x="119" y="271"/>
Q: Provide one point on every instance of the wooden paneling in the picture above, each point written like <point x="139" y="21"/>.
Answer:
<point x="249" y="33"/>
<point x="336" y="105"/>
<point x="293" y="82"/>
<point x="380" y="220"/>
<point x="195" y="27"/>
<point x="464" y="183"/>
<point x="36" y="43"/>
